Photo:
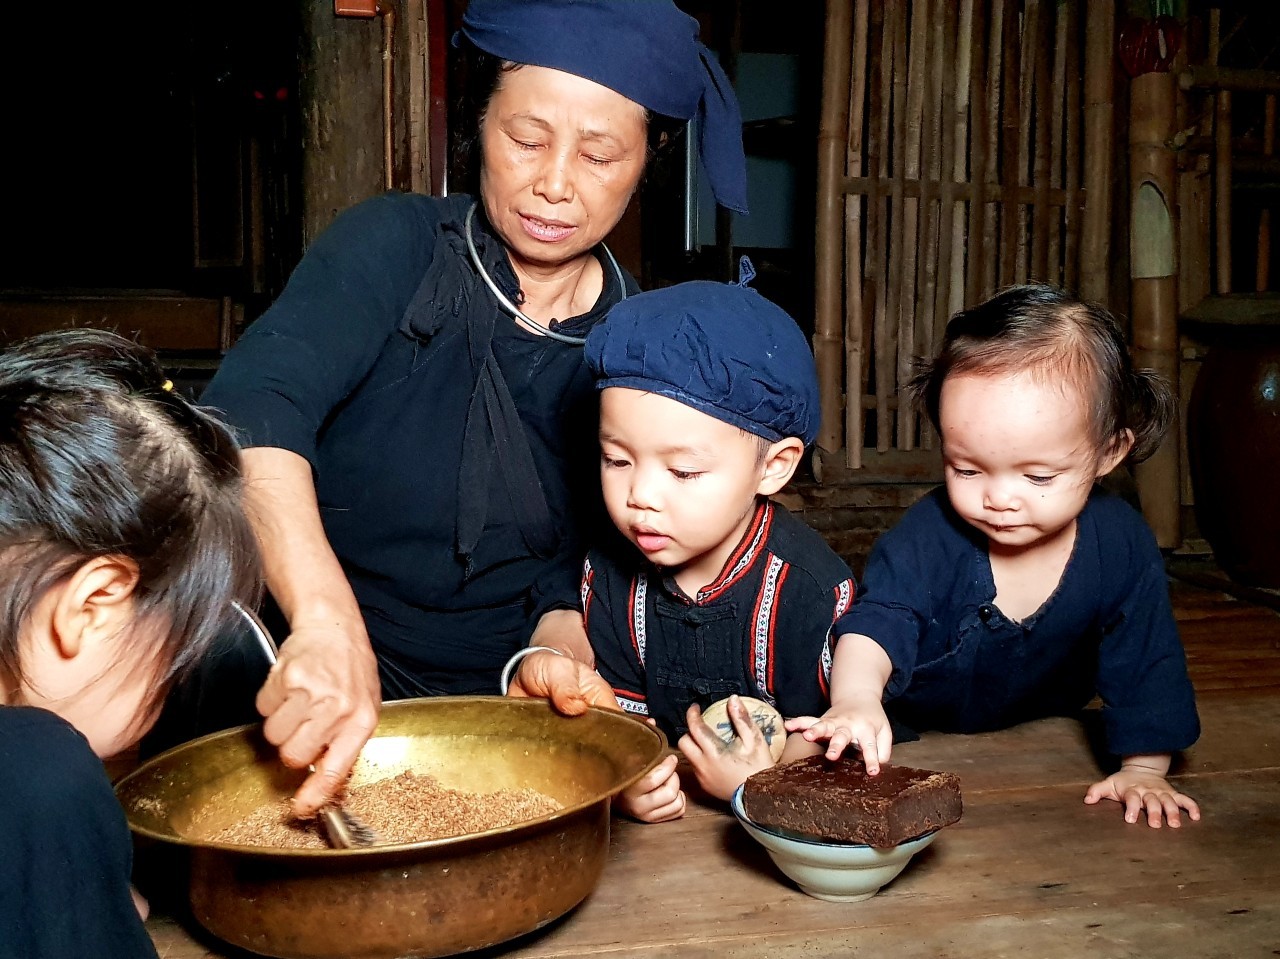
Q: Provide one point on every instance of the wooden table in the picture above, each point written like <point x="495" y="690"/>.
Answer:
<point x="1029" y="871"/>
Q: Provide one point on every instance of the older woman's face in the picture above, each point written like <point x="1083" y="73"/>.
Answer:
<point x="562" y="157"/>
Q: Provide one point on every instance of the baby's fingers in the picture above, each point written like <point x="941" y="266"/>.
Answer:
<point x="799" y="724"/>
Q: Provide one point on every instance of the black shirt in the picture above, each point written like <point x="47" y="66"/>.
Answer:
<point x="368" y="366"/>
<point x="65" y="850"/>
<point x="961" y="665"/>
<point x="763" y="628"/>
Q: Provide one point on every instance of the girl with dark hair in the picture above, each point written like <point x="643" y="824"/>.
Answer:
<point x="124" y="547"/>
<point x="1022" y="589"/>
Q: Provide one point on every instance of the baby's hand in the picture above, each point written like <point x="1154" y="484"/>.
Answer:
<point x="859" y="721"/>
<point x="1138" y="789"/>
<point x="656" y="796"/>
<point x="722" y="767"/>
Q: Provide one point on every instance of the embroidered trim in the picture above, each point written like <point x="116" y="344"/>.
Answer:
<point x="844" y="596"/>
<point x="745" y="555"/>
<point x="637" y="706"/>
<point x="824" y="664"/>
<point x="584" y="591"/>
<point x="639" y="592"/>
<point x="763" y="627"/>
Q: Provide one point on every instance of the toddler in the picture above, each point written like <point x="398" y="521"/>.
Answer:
<point x="123" y="548"/>
<point x="708" y="399"/>
<point x="1022" y="589"/>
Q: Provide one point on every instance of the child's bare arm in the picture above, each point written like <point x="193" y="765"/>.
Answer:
<point x="860" y="670"/>
<point x="1139" y="786"/>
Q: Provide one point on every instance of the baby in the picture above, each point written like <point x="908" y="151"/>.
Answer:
<point x="1021" y="589"/>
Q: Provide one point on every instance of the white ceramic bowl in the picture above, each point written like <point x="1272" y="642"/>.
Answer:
<point x="836" y="872"/>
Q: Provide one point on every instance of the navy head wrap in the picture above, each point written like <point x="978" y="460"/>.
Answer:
<point x="647" y="50"/>
<point x="719" y="348"/>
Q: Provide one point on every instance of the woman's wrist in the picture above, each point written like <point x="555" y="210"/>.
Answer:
<point x="512" y="664"/>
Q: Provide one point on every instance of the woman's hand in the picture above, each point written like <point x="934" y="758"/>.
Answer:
<point x="656" y="796"/>
<point x="859" y="720"/>
<point x="1139" y="789"/>
<point x="321" y="702"/>
<point x="722" y="767"/>
<point x="571" y="686"/>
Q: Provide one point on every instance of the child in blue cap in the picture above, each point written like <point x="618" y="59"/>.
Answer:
<point x="709" y="396"/>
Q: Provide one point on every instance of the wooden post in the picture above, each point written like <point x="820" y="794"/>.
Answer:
<point x="828" y="336"/>
<point x="917" y="62"/>
<point x="1153" y="272"/>
<point x="855" y="328"/>
<point x="1099" y="149"/>
<point x="1263" y="276"/>
<point x="1222" y="187"/>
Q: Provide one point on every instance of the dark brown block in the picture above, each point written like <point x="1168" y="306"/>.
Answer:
<point x="838" y="802"/>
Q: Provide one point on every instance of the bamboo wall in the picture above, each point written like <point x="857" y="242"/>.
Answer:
<point x="961" y="149"/>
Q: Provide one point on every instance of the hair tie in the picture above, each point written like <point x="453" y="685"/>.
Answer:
<point x="167" y="386"/>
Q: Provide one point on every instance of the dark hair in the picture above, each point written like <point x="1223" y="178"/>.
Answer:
<point x="1044" y="329"/>
<point x="478" y="75"/>
<point x="100" y="456"/>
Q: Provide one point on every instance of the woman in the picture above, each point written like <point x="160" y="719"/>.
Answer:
<point x="418" y="413"/>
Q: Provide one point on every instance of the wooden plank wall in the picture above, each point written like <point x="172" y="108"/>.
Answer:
<point x="977" y="149"/>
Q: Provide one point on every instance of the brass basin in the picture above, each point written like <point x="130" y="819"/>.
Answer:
<point x="429" y="898"/>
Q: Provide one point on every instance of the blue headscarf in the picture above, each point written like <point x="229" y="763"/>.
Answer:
<point x="720" y="348"/>
<point x="646" y="50"/>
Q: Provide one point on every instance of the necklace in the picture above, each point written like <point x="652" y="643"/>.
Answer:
<point x="504" y="301"/>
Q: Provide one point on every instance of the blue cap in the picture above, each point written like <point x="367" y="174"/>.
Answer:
<point x="647" y="50"/>
<point x="718" y="347"/>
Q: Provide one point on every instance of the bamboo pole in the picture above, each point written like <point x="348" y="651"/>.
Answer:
<point x="1057" y="105"/>
<point x="936" y="153"/>
<point x="1263" y="275"/>
<point x="881" y="108"/>
<point x="828" y="336"/>
<point x="1048" y="105"/>
<point x="916" y="64"/>
<point x="975" y="251"/>
<point x="1029" y="57"/>
<point x="1010" y="78"/>
<point x="1099" y="147"/>
<point x="990" y="213"/>
<point x="1071" y="179"/>
<point x="1222" y="186"/>
<point x="1154" y="283"/>
<point x="893" y="301"/>
<point x="855" y="372"/>
<point x="956" y="135"/>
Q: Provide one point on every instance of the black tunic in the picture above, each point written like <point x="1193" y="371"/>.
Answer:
<point x="368" y="366"/>
<point x="65" y="851"/>
<point x="762" y="629"/>
<point x="961" y="665"/>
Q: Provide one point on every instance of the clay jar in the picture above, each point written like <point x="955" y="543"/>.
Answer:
<point x="1233" y="442"/>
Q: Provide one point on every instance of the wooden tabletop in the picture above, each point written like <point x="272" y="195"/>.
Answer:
<point x="1028" y="871"/>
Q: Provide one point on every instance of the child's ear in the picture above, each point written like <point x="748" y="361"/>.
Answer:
<point x="780" y="462"/>
<point x="1114" y="456"/>
<point x="94" y="602"/>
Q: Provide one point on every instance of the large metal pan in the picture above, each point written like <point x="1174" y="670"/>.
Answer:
<point x="422" y="899"/>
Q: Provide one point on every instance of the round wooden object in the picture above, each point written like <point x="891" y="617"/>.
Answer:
<point x="765" y="716"/>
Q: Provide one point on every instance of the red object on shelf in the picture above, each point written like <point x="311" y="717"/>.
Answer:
<point x="1149" y="46"/>
<point x="355" y="8"/>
